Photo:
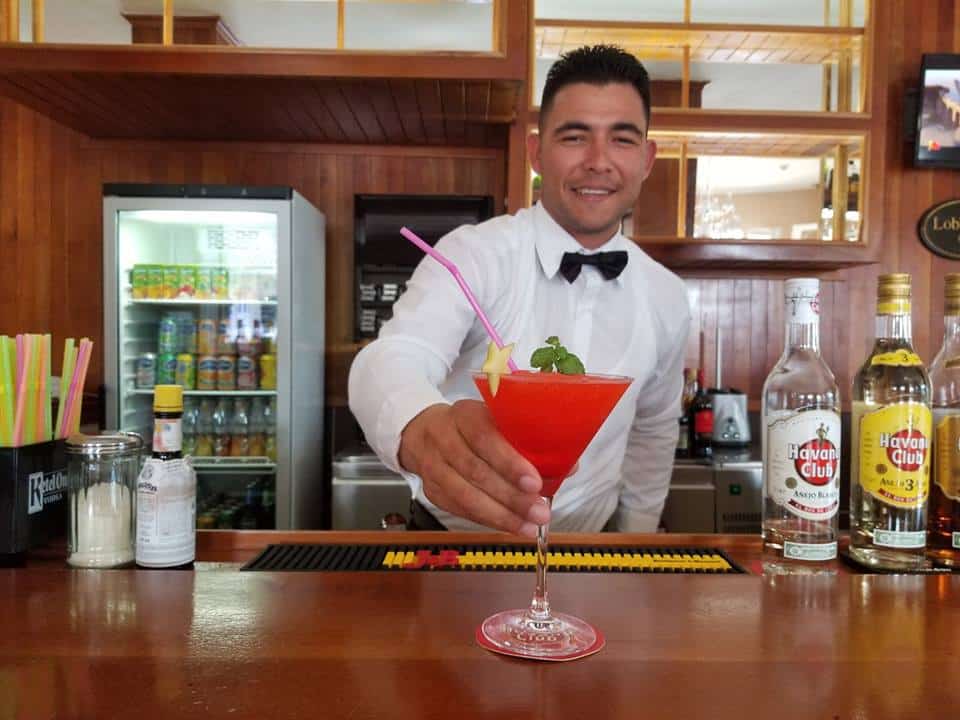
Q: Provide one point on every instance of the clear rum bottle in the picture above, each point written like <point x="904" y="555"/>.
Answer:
<point x="801" y="445"/>
<point x="891" y="427"/>
<point x="943" y="523"/>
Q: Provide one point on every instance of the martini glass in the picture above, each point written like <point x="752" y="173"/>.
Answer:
<point x="549" y="418"/>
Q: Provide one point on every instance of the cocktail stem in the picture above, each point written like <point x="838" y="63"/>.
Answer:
<point x="540" y="607"/>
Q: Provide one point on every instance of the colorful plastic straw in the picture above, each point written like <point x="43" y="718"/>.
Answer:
<point x="432" y="252"/>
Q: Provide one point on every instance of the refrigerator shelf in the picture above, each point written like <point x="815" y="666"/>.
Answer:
<point x="252" y="465"/>
<point x="170" y="302"/>
<point x="213" y="393"/>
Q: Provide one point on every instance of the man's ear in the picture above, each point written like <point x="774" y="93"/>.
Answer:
<point x="533" y="150"/>
<point x="651" y="155"/>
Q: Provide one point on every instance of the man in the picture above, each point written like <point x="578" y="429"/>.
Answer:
<point x="411" y="389"/>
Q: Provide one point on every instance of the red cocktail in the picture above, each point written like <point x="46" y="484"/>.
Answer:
<point x="549" y="418"/>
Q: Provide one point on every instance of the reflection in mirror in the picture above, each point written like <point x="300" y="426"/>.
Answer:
<point x="775" y="12"/>
<point x="417" y="25"/>
<point x="627" y="10"/>
<point x="94" y="22"/>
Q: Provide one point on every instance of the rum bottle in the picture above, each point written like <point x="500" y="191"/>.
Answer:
<point x="943" y="525"/>
<point x="801" y="445"/>
<point x="891" y="426"/>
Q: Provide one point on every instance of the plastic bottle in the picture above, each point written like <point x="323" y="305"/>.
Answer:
<point x="221" y="429"/>
<point x="240" y="430"/>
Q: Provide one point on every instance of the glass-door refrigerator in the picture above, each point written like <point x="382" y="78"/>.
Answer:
<point x="221" y="290"/>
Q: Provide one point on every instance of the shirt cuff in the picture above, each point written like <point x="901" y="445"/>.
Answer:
<point x="397" y="412"/>
<point x="634" y="521"/>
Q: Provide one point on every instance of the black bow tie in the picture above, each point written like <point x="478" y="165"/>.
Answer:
<point x="611" y="264"/>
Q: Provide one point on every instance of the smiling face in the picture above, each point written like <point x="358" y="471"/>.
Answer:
<point x="593" y="156"/>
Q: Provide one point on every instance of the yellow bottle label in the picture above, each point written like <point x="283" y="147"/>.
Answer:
<point x="897" y="306"/>
<point x="897" y="358"/>
<point x="946" y="472"/>
<point x="895" y="454"/>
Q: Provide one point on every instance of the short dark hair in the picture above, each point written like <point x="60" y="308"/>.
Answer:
<point x="596" y="65"/>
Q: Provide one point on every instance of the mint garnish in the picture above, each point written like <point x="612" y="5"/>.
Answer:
<point x="556" y="358"/>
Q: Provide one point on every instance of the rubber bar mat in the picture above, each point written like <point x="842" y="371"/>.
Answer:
<point x="503" y="558"/>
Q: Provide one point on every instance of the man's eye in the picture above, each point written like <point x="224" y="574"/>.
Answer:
<point x="626" y="140"/>
<point x="571" y="138"/>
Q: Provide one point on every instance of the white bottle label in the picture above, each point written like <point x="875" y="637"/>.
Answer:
<point x="802" y="301"/>
<point x="166" y="513"/>
<point x="813" y="553"/>
<point x="803" y="463"/>
<point x="167" y="435"/>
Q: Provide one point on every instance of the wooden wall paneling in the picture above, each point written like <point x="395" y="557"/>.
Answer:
<point x="431" y="109"/>
<point x="738" y="363"/>
<point x="758" y="338"/>
<point x="378" y="91"/>
<point x="453" y="102"/>
<point x="335" y="101"/>
<point x="364" y="112"/>
<point x="319" y="112"/>
<point x="405" y="98"/>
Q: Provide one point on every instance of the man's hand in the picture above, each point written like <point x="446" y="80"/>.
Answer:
<point x="470" y="470"/>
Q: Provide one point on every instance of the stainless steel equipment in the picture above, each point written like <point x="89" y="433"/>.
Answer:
<point x="247" y="257"/>
<point x="731" y="426"/>
<point x="366" y="493"/>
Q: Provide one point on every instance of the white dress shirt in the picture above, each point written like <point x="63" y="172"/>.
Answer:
<point x="634" y="325"/>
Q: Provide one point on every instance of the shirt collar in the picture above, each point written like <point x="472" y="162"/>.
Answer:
<point x="552" y="241"/>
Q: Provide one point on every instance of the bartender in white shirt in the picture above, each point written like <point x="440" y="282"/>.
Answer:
<point x="621" y="312"/>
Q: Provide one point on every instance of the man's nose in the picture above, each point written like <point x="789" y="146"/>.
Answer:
<point x="598" y="156"/>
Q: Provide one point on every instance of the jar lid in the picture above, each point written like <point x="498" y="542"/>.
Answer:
<point x="116" y="443"/>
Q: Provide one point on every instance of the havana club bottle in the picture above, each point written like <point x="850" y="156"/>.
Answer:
<point x="891" y="427"/>
<point x="801" y="445"/>
<point x="943" y="538"/>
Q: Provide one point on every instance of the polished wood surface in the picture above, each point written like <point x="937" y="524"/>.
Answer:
<point x="219" y="643"/>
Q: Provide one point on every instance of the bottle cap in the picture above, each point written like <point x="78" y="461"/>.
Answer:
<point x="951" y="293"/>
<point x="894" y="285"/>
<point x="168" y="398"/>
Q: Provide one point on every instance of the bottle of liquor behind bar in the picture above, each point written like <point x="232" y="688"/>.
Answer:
<point x="689" y="392"/>
<point x="890" y="427"/>
<point x="166" y="490"/>
<point x="701" y="420"/>
<point x="943" y="524"/>
<point x="801" y="445"/>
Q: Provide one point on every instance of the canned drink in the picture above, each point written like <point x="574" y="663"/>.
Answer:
<point x="207" y="336"/>
<point x="166" y="368"/>
<point x="221" y="283"/>
<point x="168" y="335"/>
<point x="146" y="370"/>
<point x="207" y="366"/>
<point x="186" y="333"/>
<point x="188" y="281"/>
<point x="268" y="371"/>
<point x="155" y="282"/>
<point x="140" y="282"/>
<point x="186" y="373"/>
<point x="204" y="283"/>
<point x="226" y="372"/>
<point x="246" y="373"/>
<point x="171" y="281"/>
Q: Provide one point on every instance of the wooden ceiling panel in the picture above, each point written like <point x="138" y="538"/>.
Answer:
<point x="283" y="109"/>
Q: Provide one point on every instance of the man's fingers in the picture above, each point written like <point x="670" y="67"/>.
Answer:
<point x="485" y="440"/>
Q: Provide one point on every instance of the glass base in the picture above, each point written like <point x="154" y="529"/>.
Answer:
<point x="556" y="637"/>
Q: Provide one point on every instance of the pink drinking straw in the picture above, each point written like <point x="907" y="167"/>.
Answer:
<point x="412" y="237"/>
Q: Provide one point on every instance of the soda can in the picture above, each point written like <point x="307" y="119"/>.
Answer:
<point x="186" y="333"/>
<point x="188" y="281"/>
<point x="186" y="372"/>
<point x="221" y="283"/>
<point x="226" y="372"/>
<point x="168" y="335"/>
<point x="207" y="366"/>
<point x="155" y="282"/>
<point x="246" y="373"/>
<point x="268" y="371"/>
<point x="207" y="336"/>
<point x="140" y="282"/>
<point x="166" y="368"/>
<point x="204" y="283"/>
<point x="171" y="281"/>
<point x="146" y="370"/>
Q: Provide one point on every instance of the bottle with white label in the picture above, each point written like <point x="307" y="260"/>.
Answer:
<point x="801" y="445"/>
<point x="166" y="490"/>
<point x="943" y="522"/>
<point x="890" y="426"/>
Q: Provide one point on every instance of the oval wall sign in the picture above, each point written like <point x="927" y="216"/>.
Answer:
<point x="940" y="229"/>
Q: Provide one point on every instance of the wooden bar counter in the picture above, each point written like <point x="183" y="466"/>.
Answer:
<point x="219" y="643"/>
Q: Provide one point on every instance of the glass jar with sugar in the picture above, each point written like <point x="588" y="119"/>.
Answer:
<point x="101" y="476"/>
